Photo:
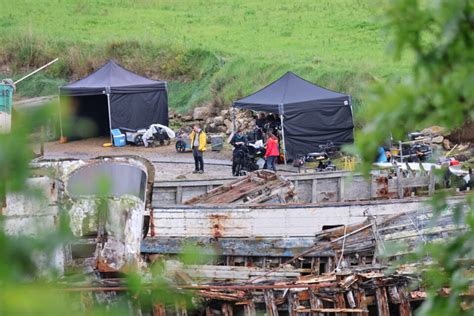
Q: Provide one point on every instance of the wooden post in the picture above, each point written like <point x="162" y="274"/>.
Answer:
<point x="208" y="311"/>
<point x="179" y="194"/>
<point x="291" y="304"/>
<point x="362" y="301"/>
<point x="404" y="308"/>
<point x="159" y="310"/>
<point x="394" y="294"/>
<point x="314" y="302"/>
<point x="314" y="192"/>
<point x="341" y="189"/>
<point x="227" y="309"/>
<point x="431" y="186"/>
<point x="249" y="309"/>
<point x="340" y="304"/>
<point x="382" y="301"/>
<point x="399" y="183"/>
<point x="316" y="265"/>
<point x="272" y="309"/>
<point x="330" y="265"/>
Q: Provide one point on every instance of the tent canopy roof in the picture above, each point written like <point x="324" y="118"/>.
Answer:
<point x="290" y="89"/>
<point x="115" y="78"/>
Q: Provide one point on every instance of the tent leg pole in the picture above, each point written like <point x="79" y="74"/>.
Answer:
<point x="283" y="137"/>
<point x="110" y="118"/>
<point x="60" y="119"/>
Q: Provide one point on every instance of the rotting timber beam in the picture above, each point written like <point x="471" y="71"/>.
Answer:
<point x="249" y="308"/>
<point x="272" y="309"/>
<point x="382" y="300"/>
<point x="332" y="310"/>
<point x="361" y="301"/>
<point x="404" y="307"/>
<point x="314" y="302"/>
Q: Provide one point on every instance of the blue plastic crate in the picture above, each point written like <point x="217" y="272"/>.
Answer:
<point x="118" y="137"/>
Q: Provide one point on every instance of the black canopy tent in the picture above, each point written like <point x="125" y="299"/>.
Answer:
<point x="127" y="99"/>
<point x="310" y="115"/>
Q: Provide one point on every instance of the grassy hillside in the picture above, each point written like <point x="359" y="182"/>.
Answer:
<point x="210" y="51"/>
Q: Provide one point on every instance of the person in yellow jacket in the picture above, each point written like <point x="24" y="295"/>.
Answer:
<point x="198" y="142"/>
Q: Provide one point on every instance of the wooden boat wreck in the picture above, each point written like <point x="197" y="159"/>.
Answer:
<point x="104" y="200"/>
<point x="318" y="255"/>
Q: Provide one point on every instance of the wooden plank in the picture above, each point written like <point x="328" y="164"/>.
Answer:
<point x="432" y="182"/>
<point x="404" y="307"/>
<point x="314" y="192"/>
<point x="340" y="304"/>
<point x="361" y="301"/>
<point x="314" y="302"/>
<point x="340" y="184"/>
<point x="291" y="304"/>
<point x="382" y="301"/>
<point x="249" y="309"/>
<point x="415" y="182"/>
<point x="227" y="309"/>
<point x="269" y="297"/>
<point x="394" y="295"/>
<point x="333" y="310"/>
<point x="316" y="266"/>
<point x="179" y="195"/>
<point x="399" y="184"/>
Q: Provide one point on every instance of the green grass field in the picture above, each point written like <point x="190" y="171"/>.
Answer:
<point x="210" y="51"/>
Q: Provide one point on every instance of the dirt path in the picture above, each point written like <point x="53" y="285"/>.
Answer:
<point x="168" y="163"/>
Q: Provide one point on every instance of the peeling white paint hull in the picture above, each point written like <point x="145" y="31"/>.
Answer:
<point x="262" y="221"/>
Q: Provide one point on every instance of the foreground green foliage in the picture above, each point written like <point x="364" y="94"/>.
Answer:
<point x="210" y="51"/>
<point x="438" y="91"/>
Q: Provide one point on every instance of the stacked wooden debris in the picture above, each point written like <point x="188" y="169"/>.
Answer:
<point x="350" y="285"/>
<point x="344" y="292"/>
<point x="262" y="186"/>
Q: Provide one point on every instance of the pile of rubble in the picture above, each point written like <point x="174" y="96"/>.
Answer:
<point x="435" y="136"/>
<point x="216" y="121"/>
<point x="441" y="141"/>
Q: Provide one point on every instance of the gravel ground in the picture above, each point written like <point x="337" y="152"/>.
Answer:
<point x="168" y="163"/>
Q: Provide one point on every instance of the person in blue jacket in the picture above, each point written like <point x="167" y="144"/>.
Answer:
<point x="382" y="155"/>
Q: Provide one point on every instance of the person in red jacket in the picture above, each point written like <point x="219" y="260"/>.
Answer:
<point x="272" y="153"/>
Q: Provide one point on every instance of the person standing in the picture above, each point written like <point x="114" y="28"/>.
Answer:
<point x="198" y="141"/>
<point x="272" y="153"/>
<point x="238" y="141"/>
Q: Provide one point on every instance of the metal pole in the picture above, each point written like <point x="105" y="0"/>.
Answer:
<point x="41" y="68"/>
<point x="280" y="109"/>
<point x="60" y="116"/>
<point x="110" y="117"/>
<point x="234" y="127"/>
